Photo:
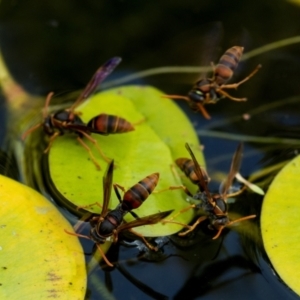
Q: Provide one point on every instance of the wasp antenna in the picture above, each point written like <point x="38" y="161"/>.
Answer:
<point x="176" y="97"/>
<point x="77" y="234"/>
<point x="48" y="99"/>
<point x="99" y="76"/>
<point x="24" y="135"/>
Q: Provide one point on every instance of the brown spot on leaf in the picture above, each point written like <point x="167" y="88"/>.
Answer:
<point x="53" y="293"/>
<point x="51" y="276"/>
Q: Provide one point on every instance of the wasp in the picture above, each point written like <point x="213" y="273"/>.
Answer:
<point x="109" y="223"/>
<point x="211" y="90"/>
<point x="69" y="121"/>
<point x="214" y="205"/>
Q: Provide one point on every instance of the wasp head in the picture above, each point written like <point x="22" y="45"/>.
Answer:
<point x="96" y="236"/>
<point x="196" y="96"/>
<point x="48" y="126"/>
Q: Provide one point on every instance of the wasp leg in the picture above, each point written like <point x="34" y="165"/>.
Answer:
<point x="51" y="140"/>
<point x="182" y="187"/>
<point x="86" y="147"/>
<point x="236" y="85"/>
<point x="175" y="172"/>
<point x="104" y="256"/>
<point x="116" y="186"/>
<point x="179" y="213"/>
<point x="204" y="111"/>
<point x="27" y="132"/>
<point x="191" y="228"/>
<point x="220" y="91"/>
<point x="90" y="205"/>
<point x="139" y="122"/>
<point x="77" y="234"/>
<point x="230" y="223"/>
<point x="96" y="145"/>
<point x="98" y="246"/>
<point x="151" y="247"/>
<point x="219" y="232"/>
<point x="236" y="193"/>
<point x="174" y="222"/>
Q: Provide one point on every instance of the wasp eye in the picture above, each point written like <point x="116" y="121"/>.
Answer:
<point x="196" y="96"/>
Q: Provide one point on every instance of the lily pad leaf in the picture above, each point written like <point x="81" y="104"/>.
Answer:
<point x="280" y="223"/>
<point x="158" y="139"/>
<point x="38" y="260"/>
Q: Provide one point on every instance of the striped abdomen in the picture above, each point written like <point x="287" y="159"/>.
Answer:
<point x="187" y="166"/>
<point x="137" y="194"/>
<point x="107" y="124"/>
<point x="227" y="64"/>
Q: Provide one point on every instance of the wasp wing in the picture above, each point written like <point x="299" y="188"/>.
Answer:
<point x="107" y="185"/>
<point x="198" y="170"/>
<point x="80" y="225"/>
<point x="97" y="78"/>
<point x="209" y="43"/>
<point x="234" y="169"/>
<point x="152" y="219"/>
<point x="84" y="128"/>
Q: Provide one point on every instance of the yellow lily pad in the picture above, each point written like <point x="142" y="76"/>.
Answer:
<point x="158" y="139"/>
<point x="280" y="223"/>
<point x="38" y="260"/>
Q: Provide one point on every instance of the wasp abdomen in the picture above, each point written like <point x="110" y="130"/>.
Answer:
<point x="107" y="124"/>
<point x="187" y="166"/>
<point x="137" y="194"/>
<point x="227" y="64"/>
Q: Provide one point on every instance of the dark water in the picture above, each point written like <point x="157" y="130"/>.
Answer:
<point x="57" y="45"/>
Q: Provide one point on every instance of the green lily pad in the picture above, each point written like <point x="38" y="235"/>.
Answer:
<point x="280" y="223"/>
<point x="151" y="147"/>
<point x="32" y="229"/>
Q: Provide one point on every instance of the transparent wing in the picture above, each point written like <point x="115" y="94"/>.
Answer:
<point x="152" y="219"/>
<point x="199" y="173"/>
<point x="107" y="185"/>
<point x="234" y="169"/>
<point x="97" y="78"/>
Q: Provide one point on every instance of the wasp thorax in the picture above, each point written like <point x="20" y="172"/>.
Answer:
<point x="221" y="204"/>
<point x="106" y="227"/>
<point x="62" y="115"/>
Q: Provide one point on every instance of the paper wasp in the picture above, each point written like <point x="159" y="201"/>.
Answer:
<point x="69" y="121"/>
<point x="214" y="205"/>
<point x="211" y="90"/>
<point x="109" y="223"/>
